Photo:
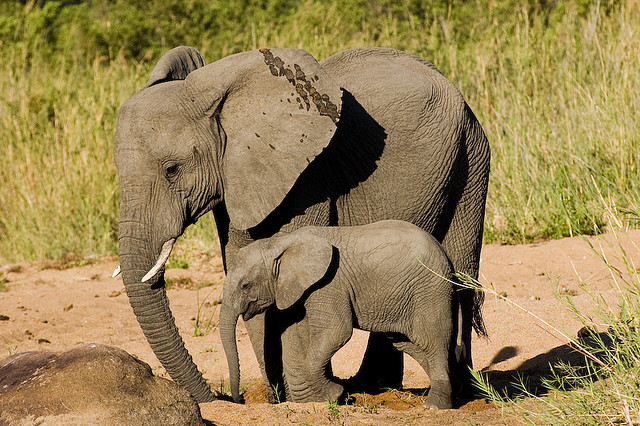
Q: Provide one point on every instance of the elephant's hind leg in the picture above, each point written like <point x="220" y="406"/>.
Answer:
<point x="434" y="361"/>
<point x="463" y="239"/>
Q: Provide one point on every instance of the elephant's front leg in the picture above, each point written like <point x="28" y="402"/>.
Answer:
<point x="325" y="343"/>
<point x="328" y="324"/>
<point x="295" y="347"/>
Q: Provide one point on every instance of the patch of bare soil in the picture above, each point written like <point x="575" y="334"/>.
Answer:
<point x="54" y="307"/>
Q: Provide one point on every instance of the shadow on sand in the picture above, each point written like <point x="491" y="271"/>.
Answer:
<point x="527" y="379"/>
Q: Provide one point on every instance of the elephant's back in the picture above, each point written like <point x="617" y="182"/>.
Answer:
<point x="394" y="267"/>
<point x="422" y="118"/>
<point x="385" y="239"/>
<point x="386" y="81"/>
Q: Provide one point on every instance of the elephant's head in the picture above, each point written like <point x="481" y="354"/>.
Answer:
<point x="276" y="270"/>
<point x="239" y="130"/>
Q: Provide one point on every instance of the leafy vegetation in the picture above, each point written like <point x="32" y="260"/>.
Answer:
<point x="554" y="85"/>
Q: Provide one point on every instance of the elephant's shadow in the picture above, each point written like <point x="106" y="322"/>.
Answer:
<point x="531" y="377"/>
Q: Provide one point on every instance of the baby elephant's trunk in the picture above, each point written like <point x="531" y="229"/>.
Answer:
<point x="228" y="322"/>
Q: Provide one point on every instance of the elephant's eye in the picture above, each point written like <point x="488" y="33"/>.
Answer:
<point x="171" y="170"/>
<point x="244" y="285"/>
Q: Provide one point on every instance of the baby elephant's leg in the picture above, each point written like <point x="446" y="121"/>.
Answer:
<point x="326" y="339"/>
<point x="434" y="361"/>
<point x="324" y="389"/>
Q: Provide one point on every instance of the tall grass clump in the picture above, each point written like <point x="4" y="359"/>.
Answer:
<point x="58" y="192"/>
<point x="602" y="388"/>
<point x="558" y="102"/>
<point x="554" y="84"/>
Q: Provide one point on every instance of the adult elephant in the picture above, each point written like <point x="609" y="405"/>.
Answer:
<point x="272" y="140"/>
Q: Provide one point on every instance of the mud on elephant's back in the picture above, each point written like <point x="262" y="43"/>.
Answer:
<point x="90" y="384"/>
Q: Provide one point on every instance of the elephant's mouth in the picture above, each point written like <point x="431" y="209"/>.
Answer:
<point x="254" y="309"/>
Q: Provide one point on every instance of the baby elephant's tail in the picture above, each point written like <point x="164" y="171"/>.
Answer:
<point x="460" y="350"/>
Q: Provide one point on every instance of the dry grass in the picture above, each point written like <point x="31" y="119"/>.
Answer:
<point x="555" y="88"/>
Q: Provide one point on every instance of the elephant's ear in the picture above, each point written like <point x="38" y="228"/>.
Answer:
<point x="303" y="260"/>
<point x="176" y="64"/>
<point x="278" y="109"/>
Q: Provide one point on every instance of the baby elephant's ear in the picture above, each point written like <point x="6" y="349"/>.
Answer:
<point x="303" y="261"/>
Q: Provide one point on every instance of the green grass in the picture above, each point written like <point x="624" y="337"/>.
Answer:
<point x="58" y="190"/>
<point x="554" y="84"/>
<point x="334" y="410"/>
<point x="177" y="263"/>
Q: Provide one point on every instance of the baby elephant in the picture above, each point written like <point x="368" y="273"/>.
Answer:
<point x="389" y="277"/>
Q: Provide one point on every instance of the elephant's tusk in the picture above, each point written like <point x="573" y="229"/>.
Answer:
<point x="116" y="272"/>
<point x="162" y="259"/>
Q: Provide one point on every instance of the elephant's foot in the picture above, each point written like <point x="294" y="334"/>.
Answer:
<point x="331" y="391"/>
<point x="437" y="402"/>
<point x="439" y="397"/>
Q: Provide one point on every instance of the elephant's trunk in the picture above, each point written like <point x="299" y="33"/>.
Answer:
<point x="228" y="322"/>
<point x="151" y="307"/>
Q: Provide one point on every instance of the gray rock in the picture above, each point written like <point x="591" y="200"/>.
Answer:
<point x="90" y="384"/>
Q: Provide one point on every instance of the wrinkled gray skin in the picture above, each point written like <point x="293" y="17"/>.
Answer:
<point x="387" y="277"/>
<point x="272" y="140"/>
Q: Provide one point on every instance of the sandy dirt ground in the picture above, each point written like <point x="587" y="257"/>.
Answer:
<point x="52" y="306"/>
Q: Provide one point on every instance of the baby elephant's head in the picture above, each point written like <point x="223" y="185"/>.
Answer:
<point x="275" y="270"/>
<point x="249" y="286"/>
